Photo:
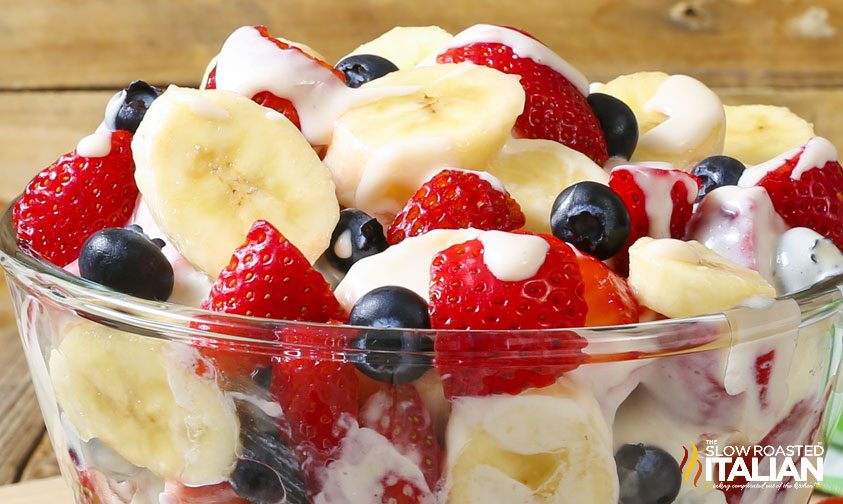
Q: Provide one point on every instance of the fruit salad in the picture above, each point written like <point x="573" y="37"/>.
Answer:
<point x="447" y="269"/>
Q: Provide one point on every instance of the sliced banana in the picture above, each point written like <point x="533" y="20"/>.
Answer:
<point x="549" y="445"/>
<point x="683" y="279"/>
<point x="451" y="116"/>
<point x="756" y="133"/>
<point x="406" y="46"/>
<point x="210" y="163"/>
<point x="536" y="171"/>
<point x="681" y="121"/>
<point x="142" y="397"/>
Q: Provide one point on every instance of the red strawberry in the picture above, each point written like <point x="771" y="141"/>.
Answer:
<point x="798" y="428"/>
<point x="221" y="493"/>
<point x="75" y="197"/>
<point x="400" y="416"/>
<point x="319" y="397"/>
<point x="806" y="187"/>
<point x="88" y="488"/>
<point x="609" y="298"/>
<point x="455" y="199"/>
<point x="267" y="277"/>
<point x="660" y="202"/>
<point x="268" y="99"/>
<point x="398" y="491"/>
<point x="465" y="294"/>
<point x="554" y="108"/>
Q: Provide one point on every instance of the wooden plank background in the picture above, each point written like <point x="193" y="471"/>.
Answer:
<point x="62" y="59"/>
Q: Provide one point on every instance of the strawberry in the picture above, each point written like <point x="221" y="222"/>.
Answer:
<point x="75" y="197"/>
<point x="798" y="428"/>
<point x="400" y="491"/>
<point x="660" y="202"/>
<point x="319" y="396"/>
<point x="267" y="277"/>
<point x="268" y="99"/>
<point x="400" y="416"/>
<point x="455" y="199"/>
<point x="554" y="108"/>
<point x="221" y="493"/>
<point x="609" y="298"/>
<point x="807" y="188"/>
<point x="87" y="488"/>
<point x="465" y="294"/>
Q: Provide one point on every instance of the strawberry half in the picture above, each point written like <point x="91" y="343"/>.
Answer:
<point x="267" y="277"/>
<point x="799" y="427"/>
<point x="75" y="197"/>
<point x="267" y="98"/>
<point x="609" y="298"/>
<point x="319" y="397"/>
<point x="554" y="108"/>
<point x="466" y="294"/>
<point x="806" y="187"/>
<point x="221" y="493"/>
<point x="660" y="202"/>
<point x="456" y="199"/>
<point x="398" y="413"/>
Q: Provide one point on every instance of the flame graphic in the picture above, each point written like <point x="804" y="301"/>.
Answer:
<point x="688" y="463"/>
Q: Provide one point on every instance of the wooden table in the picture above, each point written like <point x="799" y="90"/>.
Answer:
<point x="62" y="59"/>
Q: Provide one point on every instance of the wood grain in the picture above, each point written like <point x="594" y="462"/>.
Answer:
<point x="39" y="126"/>
<point x="42" y="463"/>
<point x="80" y="44"/>
<point x="21" y="425"/>
<point x="36" y="128"/>
<point x="48" y="491"/>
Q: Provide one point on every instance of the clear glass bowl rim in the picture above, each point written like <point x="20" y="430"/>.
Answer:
<point x="173" y="322"/>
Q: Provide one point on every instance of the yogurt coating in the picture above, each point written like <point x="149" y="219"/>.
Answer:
<point x="513" y="257"/>
<point x="521" y="45"/>
<point x="95" y="145"/>
<point x="804" y="257"/>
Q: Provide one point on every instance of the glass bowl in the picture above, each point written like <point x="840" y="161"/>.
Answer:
<point x="150" y="402"/>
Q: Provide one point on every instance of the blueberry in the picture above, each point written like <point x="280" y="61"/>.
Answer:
<point x="717" y="171"/>
<point x="268" y="470"/>
<point x="591" y="217"/>
<point x="392" y="356"/>
<point x="127" y="261"/>
<point x="647" y="475"/>
<point x="262" y="377"/>
<point x="362" y="68"/>
<point x="620" y="129"/>
<point x="357" y="235"/>
<point x="126" y="108"/>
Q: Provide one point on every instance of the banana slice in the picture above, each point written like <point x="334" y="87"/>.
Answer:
<point x="210" y="163"/>
<point x="406" y="46"/>
<point x="756" y="133"/>
<point x="451" y="116"/>
<point x="545" y="446"/>
<point x="536" y="171"/>
<point x="142" y="397"/>
<point x="681" y="121"/>
<point x="684" y="279"/>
